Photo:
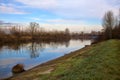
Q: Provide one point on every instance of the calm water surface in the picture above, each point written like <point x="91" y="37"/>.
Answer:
<point x="33" y="54"/>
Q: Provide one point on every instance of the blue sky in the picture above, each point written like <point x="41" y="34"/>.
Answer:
<point x="57" y="12"/>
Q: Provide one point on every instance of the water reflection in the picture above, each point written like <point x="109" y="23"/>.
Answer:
<point x="33" y="50"/>
<point x="34" y="53"/>
<point x="33" y="47"/>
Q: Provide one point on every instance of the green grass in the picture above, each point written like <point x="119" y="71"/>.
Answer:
<point x="97" y="62"/>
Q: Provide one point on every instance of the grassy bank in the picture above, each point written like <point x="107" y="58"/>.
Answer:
<point x="97" y="62"/>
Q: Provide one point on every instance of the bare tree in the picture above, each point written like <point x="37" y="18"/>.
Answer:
<point x="119" y="19"/>
<point x="108" y="24"/>
<point x="33" y="28"/>
<point x="15" y="31"/>
<point x="117" y="26"/>
<point x="67" y="31"/>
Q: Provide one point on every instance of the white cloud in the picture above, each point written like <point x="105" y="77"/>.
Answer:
<point x="9" y="9"/>
<point x="74" y="9"/>
<point x="65" y="21"/>
<point x="43" y="4"/>
<point x="35" y="19"/>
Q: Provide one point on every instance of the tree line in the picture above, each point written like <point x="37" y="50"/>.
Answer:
<point x="111" y="26"/>
<point x="36" y="33"/>
<point x="32" y="33"/>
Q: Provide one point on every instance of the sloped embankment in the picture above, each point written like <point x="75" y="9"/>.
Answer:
<point x="97" y="62"/>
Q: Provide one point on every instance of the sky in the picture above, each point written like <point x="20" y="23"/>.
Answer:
<point x="58" y="14"/>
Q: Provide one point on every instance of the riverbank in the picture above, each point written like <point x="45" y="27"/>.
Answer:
<point x="96" y="62"/>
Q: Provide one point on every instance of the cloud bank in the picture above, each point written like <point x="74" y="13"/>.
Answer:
<point x="72" y="13"/>
<point x="10" y="9"/>
<point x="75" y="8"/>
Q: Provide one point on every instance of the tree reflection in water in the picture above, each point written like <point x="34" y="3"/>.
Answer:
<point x="34" y="48"/>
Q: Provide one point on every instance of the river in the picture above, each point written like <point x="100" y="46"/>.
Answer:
<point x="33" y="54"/>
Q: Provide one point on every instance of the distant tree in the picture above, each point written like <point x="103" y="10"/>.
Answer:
<point x="119" y="24"/>
<point x="2" y="33"/>
<point x="116" y="30"/>
<point x="15" y="31"/>
<point x="108" y="24"/>
<point x="82" y="34"/>
<point x="33" y="28"/>
<point x="67" y="31"/>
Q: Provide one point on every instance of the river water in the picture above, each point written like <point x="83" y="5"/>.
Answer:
<point x="33" y="54"/>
